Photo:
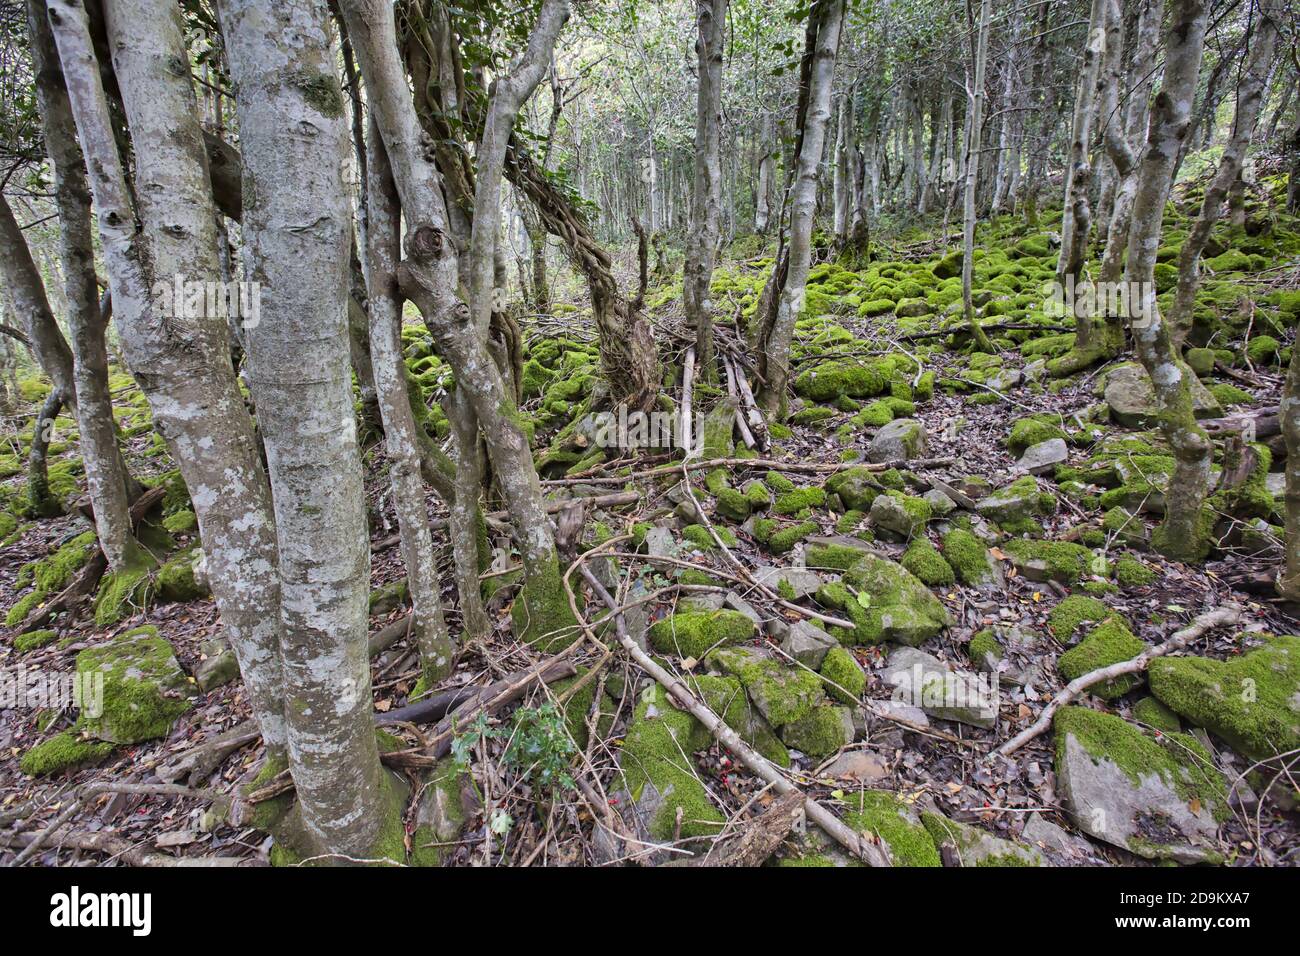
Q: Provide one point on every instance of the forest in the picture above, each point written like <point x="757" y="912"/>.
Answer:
<point x="707" y="433"/>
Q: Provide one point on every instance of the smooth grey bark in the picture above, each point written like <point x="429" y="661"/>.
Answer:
<point x="182" y="361"/>
<point x="974" y="126"/>
<point x="403" y="453"/>
<point x="1251" y="85"/>
<point x="297" y="229"/>
<point x="706" y="186"/>
<point x="766" y="175"/>
<point x="428" y="276"/>
<point x="106" y="475"/>
<point x="1183" y="535"/>
<point x="787" y="286"/>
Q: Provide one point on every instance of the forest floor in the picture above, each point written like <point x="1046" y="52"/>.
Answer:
<point x="902" y="446"/>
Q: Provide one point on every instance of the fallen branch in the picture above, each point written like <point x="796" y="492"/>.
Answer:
<point x="1219" y="617"/>
<point x="121" y="849"/>
<point x="850" y="839"/>
<point x="801" y="467"/>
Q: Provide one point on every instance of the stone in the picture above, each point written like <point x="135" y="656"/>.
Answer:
<point x="896" y="514"/>
<point x="1158" y="797"/>
<point x="660" y="543"/>
<point x="940" y="504"/>
<point x="836" y="552"/>
<point x="886" y="602"/>
<point x="1043" y="833"/>
<point x="1132" y="402"/>
<point x="971" y="846"/>
<point x="856" y="487"/>
<point x="923" y="680"/>
<point x="781" y="694"/>
<point x="883" y="710"/>
<point x="860" y="766"/>
<point x="807" y="644"/>
<point x="901" y="440"/>
<point x="144" y="689"/>
<point x="821" y="732"/>
<point x="1017" y="501"/>
<point x="734" y="602"/>
<point x="218" y="666"/>
<point x="1044" y="457"/>
<point x="800" y="582"/>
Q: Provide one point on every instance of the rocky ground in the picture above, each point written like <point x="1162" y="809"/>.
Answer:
<point x="875" y="597"/>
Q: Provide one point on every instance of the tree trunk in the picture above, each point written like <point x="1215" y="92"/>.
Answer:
<point x="766" y="175"/>
<point x="1251" y="85"/>
<point x="706" y="192"/>
<point x="297" y="228"/>
<point x="1288" y="582"/>
<point x="107" y="480"/>
<point x="975" y="121"/>
<point x="784" y="293"/>
<point x="1184" y="534"/>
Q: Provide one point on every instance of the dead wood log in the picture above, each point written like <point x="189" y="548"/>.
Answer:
<point x="761" y="836"/>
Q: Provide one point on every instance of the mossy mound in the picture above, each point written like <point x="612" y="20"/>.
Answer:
<point x="882" y="814"/>
<point x="1062" y="561"/>
<point x="695" y="633"/>
<point x="845" y="678"/>
<point x="61" y="752"/>
<point x="968" y="558"/>
<point x="1073" y="611"/>
<point x="1250" y="701"/>
<point x="1109" y="643"/>
<point x="145" y="690"/>
<point x="924" y="560"/>
<point x="886" y="602"/>
<point x="782" y="694"/>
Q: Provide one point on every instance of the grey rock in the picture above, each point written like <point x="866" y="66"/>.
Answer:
<point x="901" y="440"/>
<point x="889" y="514"/>
<point x="940" y="504"/>
<point x="660" y="543"/>
<point x="1132" y="402"/>
<point x="803" y="581"/>
<point x="861" y="766"/>
<point x="807" y="644"/>
<point x="923" y="680"/>
<point x="1043" y="457"/>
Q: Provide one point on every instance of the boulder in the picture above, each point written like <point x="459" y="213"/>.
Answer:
<point x="144" y="690"/>
<point x="924" y="681"/>
<point x="1132" y="402"/>
<point x="971" y="846"/>
<point x="1044" y="457"/>
<point x="901" y="440"/>
<point x="808" y="644"/>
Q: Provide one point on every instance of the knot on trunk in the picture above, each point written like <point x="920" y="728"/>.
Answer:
<point x="425" y="242"/>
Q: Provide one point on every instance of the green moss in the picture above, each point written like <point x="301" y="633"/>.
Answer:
<point x="658" y="749"/>
<point x="837" y="557"/>
<point x="983" y="646"/>
<point x="124" y="592"/>
<point x="783" y="694"/>
<point x="1262" y="349"/>
<point x="176" y="582"/>
<point x="1066" y="561"/>
<point x="849" y="522"/>
<point x="694" y="633"/>
<point x="541" y="615"/>
<point x="880" y="813"/>
<point x="726" y="697"/>
<point x="793" y="502"/>
<point x="699" y="536"/>
<point x="33" y="639"/>
<point x="24" y="607"/>
<point x="1030" y="431"/>
<point x="1249" y="701"/>
<point x="320" y="90"/>
<point x="142" y="687"/>
<point x="733" y="504"/>
<point x="1132" y="573"/>
<point x="1151" y="712"/>
<point x="967" y="556"/>
<point x="856" y="487"/>
<point x="1109" y="643"/>
<point x="1072" y="612"/>
<point x="54" y="573"/>
<point x="781" y="540"/>
<point x="757" y="495"/>
<point x="845" y="678"/>
<point x="265" y="814"/>
<point x="1180" y="760"/>
<point x="831" y="380"/>
<point x="61" y="752"/>
<point x="925" y="561"/>
<point x="821" y="732"/>
<point x="1227" y="394"/>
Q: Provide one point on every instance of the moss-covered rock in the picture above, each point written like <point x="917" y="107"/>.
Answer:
<point x="1249" y="701"/>
<point x="726" y="697"/>
<point x="177" y="582"/>
<point x="831" y="380"/>
<point x="1109" y="643"/>
<point x="879" y="813"/>
<point x="781" y="694"/>
<point x="1073" y="611"/>
<point x="34" y="639"/>
<point x="887" y="603"/>
<point x="971" y="846"/>
<point x="969" y="559"/>
<point x="845" y="678"/>
<point x="1062" y="561"/>
<point x="695" y="633"/>
<point x="144" y="688"/>
<point x="821" y="732"/>
<point x="1030" y="431"/>
<point x="856" y="487"/>
<point x="1151" y="712"/>
<point x="924" y="560"/>
<point x="62" y="751"/>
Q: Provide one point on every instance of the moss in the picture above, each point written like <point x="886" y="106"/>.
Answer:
<point x="873" y="416"/>
<point x="968" y="557"/>
<point x="780" y="541"/>
<point x="885" y="603"/>
<point x="1262" y="349"/>
<point x="778" y="482"/>
<point x="733" y="504"/>
<point x="975" y="847"/>
<point x="265" y="814"/>
<point x="783" y="694"/>
<point x="757" y="495"/>
<point x="694" y="633"/>
<point x="1031" y="431"/>
<point x="880" y="813"/>
<point x="849" y="522"/>
<point x="1151" y="712"/>
<point x="812" y="415"/>
<point x="541" y="615"/>
<point x="837" y="557"/>
<point x="1109" y="643"/>
<point x="699" y="536"/>
<point x="793" y="502"/>
<point x="23" y="607"/>
<point x="983" y="646"/>
<point x="61" y="752"/>
<point x="726" y="697"/>
<point x="124" y="592"/>
<point x="1248" y="701"/>
<point x="319" y="90"/>
<point x="55" y="572"/>
<point x="856" y="487"/>
<point x="1180" y="760"/>
<point x="925" y="561"/>
<point x="142" y="684"/>
<point x="821" y="732"/>
<point x="1132" y="573"/>
<point x="1227" y="394"/>
<point x="1066" y="561"/>
<point x="658" y="750"/>
<point x="1072" y="612"/>
<point x="33" y="639"/>
<point x="845" y="678"/>
<point x="176" y="582"/>
<point x="831" y="380"/>
<point x="444" y="785"/>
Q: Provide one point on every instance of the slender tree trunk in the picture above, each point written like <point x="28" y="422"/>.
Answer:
<point x="1184" y="534"/>
<point x="975" y="122"/>
<point x="1288" y="582"/>
<point x="785" y="289"/>
<point x="1251" y="86"/>
<point x="297" y="228"/>
<point x="706" y="193"/>
<point x="107" y="480"/>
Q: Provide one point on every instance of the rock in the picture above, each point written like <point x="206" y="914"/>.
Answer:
<point x="791" y="583"/>
<point x="900" y="514"/>
<point x="726" y="697"/>
<point x="860" y="766"/>
<point x="836" y="552"/>
<point x="901" y="440"/>
<point x="1043" y="833"/>
<point x="144" y="689"/>
<point x="885" y="602"/>
<point x="218" y="667"/>
<point x="781" y="694"/>
<point x="886" y="816"/>
<point x="1017" y="501"/>
<point x="824" y="730"/>
<point x="660" y="543"/>
<point x="940" y="504"/>
<point x="445" y="803"/>
<point x="1252" y="701"/>
<point x="924" y="681"/>
<point x="735" y="602"/>
<point x="844" y="677"/>
<point x="883" y="710"/>
<point x="1108" y="643"/>
<point x="1157" y="797"/>
<point x="1044" y="457"/>
<point x="857" y="487"/>
<point x="1132" y="402"/>
<point x="971" y="560"/>
<point x="807" y="644"/>
<point x="701" y="601"/>
<point x="971" y="846"/>
<point x="695" y="633"/>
